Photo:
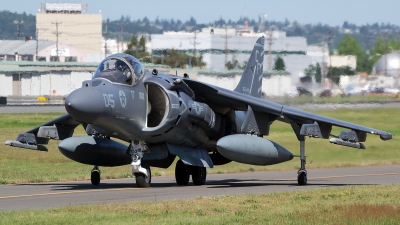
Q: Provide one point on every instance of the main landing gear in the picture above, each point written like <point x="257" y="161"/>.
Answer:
<point x="183" y="172"/>
<point x="302" y="173"/>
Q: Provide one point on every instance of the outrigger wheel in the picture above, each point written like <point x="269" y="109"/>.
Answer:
<point x="302" y="178"/>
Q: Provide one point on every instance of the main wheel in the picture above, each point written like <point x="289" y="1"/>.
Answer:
<point x="199" y="175"/>
<point x="95" y="177"/>
<point x="141" y="180"/>
<point x="181" y="173"/>
<point x="302" y="178"/>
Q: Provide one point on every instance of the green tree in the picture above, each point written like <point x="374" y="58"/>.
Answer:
<point x="232" y="64"/>
<point x="338" y="71"/>
<point x="350" y="46"/>
<point x="279" y="64"/>
<point x="177" y="59"/>
<point x="137" y="48"/>
<point x="314" y="71"/>
<point x="318" y="73"/>
<point x="310" y="70"/>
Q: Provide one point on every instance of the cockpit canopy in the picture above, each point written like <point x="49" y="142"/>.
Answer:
<point x="120" y="68"/>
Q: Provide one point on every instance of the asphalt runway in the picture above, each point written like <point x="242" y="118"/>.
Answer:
<point x="48" y="195"/>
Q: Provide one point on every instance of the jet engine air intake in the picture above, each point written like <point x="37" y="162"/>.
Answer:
<point x="158" y="105"/>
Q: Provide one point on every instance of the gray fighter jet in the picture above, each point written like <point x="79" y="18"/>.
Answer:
<point x="162" y="116"/>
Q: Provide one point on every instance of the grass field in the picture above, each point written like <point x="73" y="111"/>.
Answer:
<point x="21" y="166"/>
<point x="345" y="205"/>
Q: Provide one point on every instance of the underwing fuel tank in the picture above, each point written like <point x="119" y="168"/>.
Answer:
<point x="95" y="151"/>
<point x="252" y="150"/>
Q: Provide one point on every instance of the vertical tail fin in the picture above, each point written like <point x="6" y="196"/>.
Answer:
<point x="251" y="81"/>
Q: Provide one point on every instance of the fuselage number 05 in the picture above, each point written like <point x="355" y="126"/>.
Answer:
<point x="108" y="100"/>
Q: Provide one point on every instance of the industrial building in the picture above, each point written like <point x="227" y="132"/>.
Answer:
<point x="30" y="50"/>
<point x="388" y="65"/>
<point x="25" y="78"/>
<point x="72" y="25"/>
<point x="219" y="46"/>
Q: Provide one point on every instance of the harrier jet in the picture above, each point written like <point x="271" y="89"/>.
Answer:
<point x="161" y="116"/>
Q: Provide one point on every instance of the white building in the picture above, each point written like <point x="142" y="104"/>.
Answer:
<point x="19" y="50"/>
<point x="24" y="78"/>
<point x="212" y="43"/>
<point x="70" y="23"/>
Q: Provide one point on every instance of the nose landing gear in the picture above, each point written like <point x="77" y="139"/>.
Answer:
<point x="141" y="172"/>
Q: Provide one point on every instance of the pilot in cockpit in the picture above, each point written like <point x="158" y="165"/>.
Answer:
<point x="123" y="70"/>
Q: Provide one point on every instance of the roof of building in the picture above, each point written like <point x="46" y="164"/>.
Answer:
<point x="49" y="64"/>
<point x="266" y="73"/>
<point x="10" y="47"/>
<point x="22" y="70"/>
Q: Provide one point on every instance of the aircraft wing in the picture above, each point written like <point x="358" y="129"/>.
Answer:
<point x="223" y="98"/>
<point x="59" y="129"/>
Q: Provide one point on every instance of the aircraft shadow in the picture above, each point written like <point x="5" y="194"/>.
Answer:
<point x="213" y="184"/>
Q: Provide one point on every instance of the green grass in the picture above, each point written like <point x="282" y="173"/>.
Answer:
<point x="22" y="166"/>
<point x="344" y="205"/>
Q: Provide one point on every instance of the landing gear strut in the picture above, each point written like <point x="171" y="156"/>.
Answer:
<point x="95" y="176"/>
<point x="302" y="173"/>
<point x="141" y="172"/>
<point x="183" y="172"/>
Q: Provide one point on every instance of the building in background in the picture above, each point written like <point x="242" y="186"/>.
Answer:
<point x="388" y="65"/>
<point x="72" y="25"/>
<point x="219" y="46"/>
<point x="19" y="50"/>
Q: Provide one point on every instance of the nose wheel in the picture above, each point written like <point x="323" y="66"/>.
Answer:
<point x="95" y="176"/>
<point x="143" y="181"/>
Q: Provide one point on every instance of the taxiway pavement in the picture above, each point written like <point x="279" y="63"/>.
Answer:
<point x="58" y="194"/>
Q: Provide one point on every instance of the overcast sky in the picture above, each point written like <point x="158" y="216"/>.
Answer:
<point x="333" y="12"/>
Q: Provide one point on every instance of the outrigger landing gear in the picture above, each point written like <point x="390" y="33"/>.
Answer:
<point x="141" y="172"/>
<point x="183" y="172"/>
<point x="95" y="176"/>
<point x="302" y="173"/>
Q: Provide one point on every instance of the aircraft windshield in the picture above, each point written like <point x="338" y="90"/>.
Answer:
<point x="120" y="68"/>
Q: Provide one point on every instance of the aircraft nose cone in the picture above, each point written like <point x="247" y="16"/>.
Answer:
<point x="85" y="104"/>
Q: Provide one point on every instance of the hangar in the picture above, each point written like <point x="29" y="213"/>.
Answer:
<point x="25" y="78"/>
